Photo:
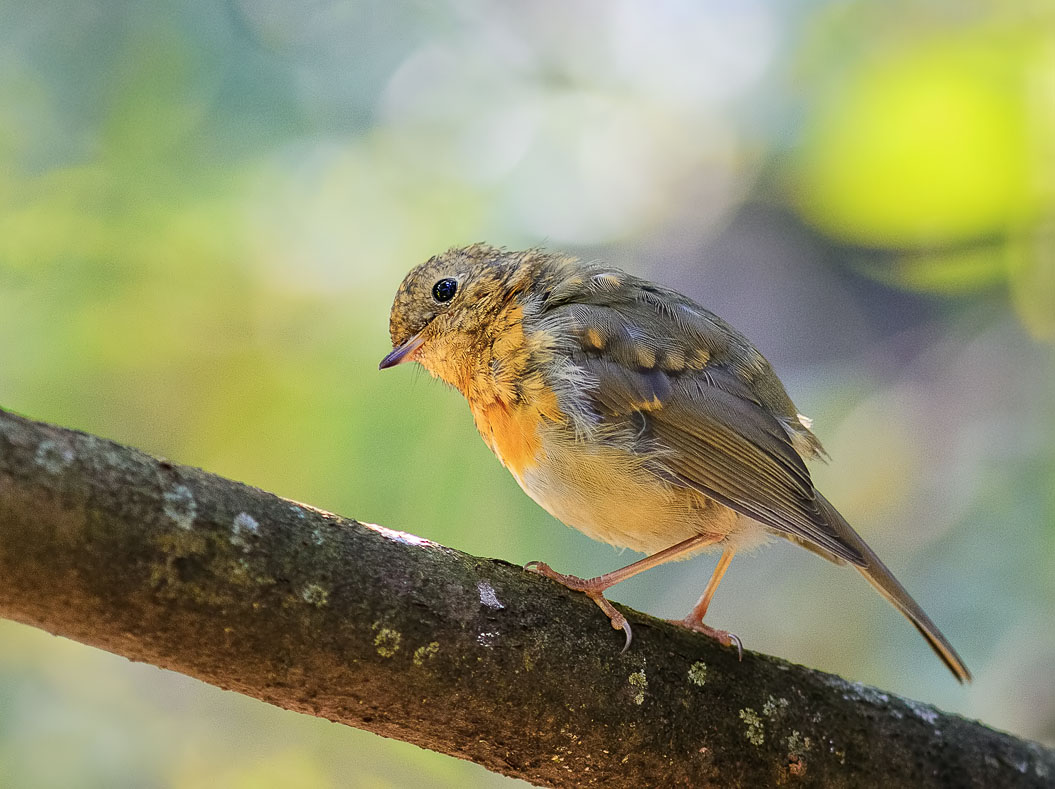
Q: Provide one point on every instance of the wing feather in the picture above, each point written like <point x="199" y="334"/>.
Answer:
<point x="711" y="413"/>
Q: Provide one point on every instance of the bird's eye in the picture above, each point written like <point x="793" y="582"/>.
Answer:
<point x="445" y="289"/>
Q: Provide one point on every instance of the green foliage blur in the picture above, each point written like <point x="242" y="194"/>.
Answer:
<point x="206" y="207"/>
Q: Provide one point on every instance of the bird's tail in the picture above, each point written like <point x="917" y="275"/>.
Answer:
<point x="884" y="581"/>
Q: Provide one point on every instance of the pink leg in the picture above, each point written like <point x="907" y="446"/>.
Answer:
<point x="694" y="620"/>
<point x="595" y="587"/>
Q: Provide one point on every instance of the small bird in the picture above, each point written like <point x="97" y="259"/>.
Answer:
<point x="631" y="413"/>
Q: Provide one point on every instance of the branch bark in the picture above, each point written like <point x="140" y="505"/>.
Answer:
<point x="471" y="657"/>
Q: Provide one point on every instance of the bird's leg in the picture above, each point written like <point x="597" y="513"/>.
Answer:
<point x="594" y="588"/>
<point x="694" y="621"/>
<point x="699" y="611"/>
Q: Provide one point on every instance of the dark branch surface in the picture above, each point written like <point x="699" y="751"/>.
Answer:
<point x="471" y="657"/>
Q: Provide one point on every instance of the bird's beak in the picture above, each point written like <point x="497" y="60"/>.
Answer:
<point x="404" y="353"/>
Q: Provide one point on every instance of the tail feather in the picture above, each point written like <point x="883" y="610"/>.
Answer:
<point x="887" y="585"/>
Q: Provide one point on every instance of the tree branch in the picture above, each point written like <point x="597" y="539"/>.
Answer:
<point x="397" y="635"/>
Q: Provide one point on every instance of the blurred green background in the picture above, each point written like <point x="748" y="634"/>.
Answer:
<point x="206" y="207"/>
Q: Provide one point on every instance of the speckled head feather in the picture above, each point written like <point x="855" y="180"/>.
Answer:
<point x="477" y="270"/>
<point x="486" y="277"/>
<point x="455" y="339"/>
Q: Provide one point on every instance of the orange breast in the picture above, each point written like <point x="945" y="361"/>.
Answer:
<point x="512" y="432"/>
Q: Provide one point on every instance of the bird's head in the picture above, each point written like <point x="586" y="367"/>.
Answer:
<point x="447" y="310"/>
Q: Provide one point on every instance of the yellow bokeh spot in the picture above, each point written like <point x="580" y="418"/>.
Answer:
<point x="921" y="145"/>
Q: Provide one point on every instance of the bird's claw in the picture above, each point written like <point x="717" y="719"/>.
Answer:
<point x="723" y="637"/>
<point x="616" y="617"/>
<point x="572" y="582"/>
<point x="735" y="639"/>
<point x="592" y="589"/>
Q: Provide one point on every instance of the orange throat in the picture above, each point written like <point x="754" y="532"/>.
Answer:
<point x="507" y="392"/>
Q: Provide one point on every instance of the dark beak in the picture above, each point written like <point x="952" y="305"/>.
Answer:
<point x="404" y="353"/>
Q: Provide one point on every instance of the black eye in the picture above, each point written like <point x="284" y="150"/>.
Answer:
<point x="445" y="289"/>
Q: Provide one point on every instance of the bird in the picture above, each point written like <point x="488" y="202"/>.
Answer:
<point x="631" y="413"/>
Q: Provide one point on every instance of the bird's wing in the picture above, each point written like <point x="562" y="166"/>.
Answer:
<point x="706" y="407"/>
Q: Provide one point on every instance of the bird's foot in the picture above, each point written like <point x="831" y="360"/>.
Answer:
<point x="723" y="637"/>
<point x="593" y="588"/>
